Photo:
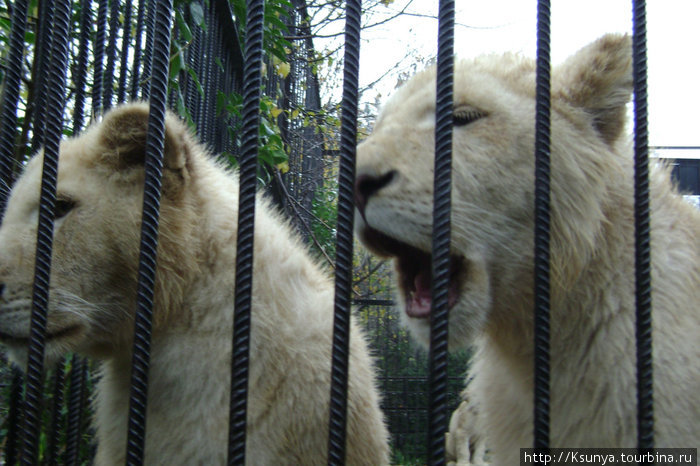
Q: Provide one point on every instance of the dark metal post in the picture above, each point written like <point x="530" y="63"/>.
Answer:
<point x="645" y="387"/>
<point x="149" y="234"/>
<point x="438" y="416"/>
<point x="252" y="79"/>
<point x="344" y="241"/>
<point x="42" y="270"/>
<point x="542" y="224"/>
<point x="10" y="95"/>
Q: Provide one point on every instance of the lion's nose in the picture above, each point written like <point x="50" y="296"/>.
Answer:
<point x="368" y="185"/>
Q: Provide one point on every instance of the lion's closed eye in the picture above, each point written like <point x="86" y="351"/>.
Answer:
<point x="465" y="115"/>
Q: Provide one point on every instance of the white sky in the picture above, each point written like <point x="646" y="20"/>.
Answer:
<point x="510" y="25"/>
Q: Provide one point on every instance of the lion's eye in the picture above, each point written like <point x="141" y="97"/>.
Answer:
<point x="464" y="116"/>
<point x="62" y="207"/>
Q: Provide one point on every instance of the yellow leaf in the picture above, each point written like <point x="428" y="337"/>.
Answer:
<point x="295" y="113"/>
<point x="275" y="112"/>
<point x="283" y="167"/>
<point x="283" y="69"/>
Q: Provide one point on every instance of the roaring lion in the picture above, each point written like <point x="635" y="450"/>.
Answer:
<point x="593" y="384"/>
<point x="93" y="294"/>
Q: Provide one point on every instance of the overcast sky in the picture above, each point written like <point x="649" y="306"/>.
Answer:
<point x="509" y="25"/>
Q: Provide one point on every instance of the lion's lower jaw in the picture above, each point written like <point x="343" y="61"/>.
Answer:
<point x="467" y="322"/>
<point x="55" y="348"/>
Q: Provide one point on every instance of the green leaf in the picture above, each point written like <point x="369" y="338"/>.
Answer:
<point x="177" y="63"/>
<point x="220" y="65"/>
<point x="266" y="129"/>
<point x="185" y="31"/>
<point x="197" y="13"/>
<point x="194" y="77"/>
<point x="265" y="155"/>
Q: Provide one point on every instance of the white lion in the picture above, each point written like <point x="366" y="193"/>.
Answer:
<point x="93" y="290"/>
<point x="593" y="385"/>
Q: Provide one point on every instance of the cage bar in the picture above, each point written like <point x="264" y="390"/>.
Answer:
<point x="136" y="436"/>
<point x="36" y="105"/>
<point x="42" y="269"/>
<point x="248" y="164"/>
<point x="124" y="52"/>
<point x="81" y="67"/>
<point x="344" y="236"/>
<point x="645" y="389"/>
<point x="10" y="95"/>
<point x="438" y="416"/>
<point x="542" y="226"/>
<point x="136" y="62"/>
<point x="99" y="53"/>
<point x="111" y="53"/>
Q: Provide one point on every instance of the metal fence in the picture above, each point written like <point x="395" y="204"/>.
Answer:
<point x="64" y="43"/>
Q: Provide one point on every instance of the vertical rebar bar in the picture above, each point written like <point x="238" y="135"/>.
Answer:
<point x="645" y="388"/>
<point x="98" y="56"/>
<point x="42" y="270"/>
<point x="10" y="95"/>
<point x="8" y="129"/>
<point x="344" y="235"/>
<point x="58" y="380"/>
<point x="40" y="71"/>
<point x="438" y="416"/>
<point x="14" y="417"/>
<point x="76" y="406"/>
<point x="81" y="66"/>
<point x="136" y="436"/>
<point x="252" y="79"/>
<point x="136" y="63"/>
<point x="111" y="53"/>
<point x="148" y="50"/>
<point x="542" y="228"/>
<point x="124" y="53"/>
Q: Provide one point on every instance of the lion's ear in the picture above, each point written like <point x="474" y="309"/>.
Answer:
<point x="598" y="79"/>
<point x="123" y="134"/>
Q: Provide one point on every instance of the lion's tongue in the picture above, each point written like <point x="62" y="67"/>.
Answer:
<point x="420" y="301"/>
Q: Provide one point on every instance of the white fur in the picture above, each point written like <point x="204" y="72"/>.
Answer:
<point x="93" y="289"/>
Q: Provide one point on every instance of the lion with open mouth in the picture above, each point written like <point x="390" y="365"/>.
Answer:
<point x="491" y="298"/>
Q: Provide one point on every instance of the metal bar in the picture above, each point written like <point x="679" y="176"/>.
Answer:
<point x="344" y="238"/>
<point x="438" y="416"/>
<point x="206" y="125"/>
<point x="107" y="81"/>
<point x="81" y="67"/>
<point x="56" y="417"/>
<point x="42" y="63"/>
<point x="76" y="393"/>
<point x="98" y="55"/>
<point x="252" y="78"/>
<point x="136" y="63"/>
<point x="42" y="270"/>
<point x="14" y="417"/>
<point x="10" y="95"/>
<point x="542" y="227"/>
<point x="642" y="258"/>
<point x="149" y="233"/>
<point x="124" y="52"/>
<point x="76" y="406"/>
<point x="148" y="51"/>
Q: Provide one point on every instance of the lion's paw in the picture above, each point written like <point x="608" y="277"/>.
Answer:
<point x="464" y="444"/>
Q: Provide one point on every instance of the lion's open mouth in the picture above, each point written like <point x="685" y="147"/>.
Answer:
<point x="414" y="268"/>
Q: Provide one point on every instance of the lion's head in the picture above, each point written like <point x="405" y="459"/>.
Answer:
<point x="92" y="291"/>
<point x="493" y="179"/>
